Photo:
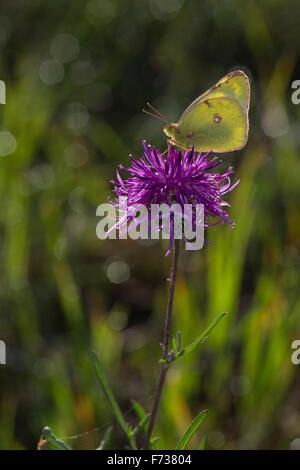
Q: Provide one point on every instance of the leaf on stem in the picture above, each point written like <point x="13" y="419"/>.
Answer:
<point x="178" y="341"/>
<point x="204" y="335"/>
<point x="143" y="418"/>
<point x="174" y="345"/>
<point x="176" y="350"/>
<point x="141" y="425"/>
<point x="138" y="409"/>
<point x="153" y="442"/>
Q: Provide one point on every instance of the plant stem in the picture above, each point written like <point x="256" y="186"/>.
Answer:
<point x="164" y="366"/>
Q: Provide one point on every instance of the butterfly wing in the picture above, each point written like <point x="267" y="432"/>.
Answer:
<point x="233" y="85"/>
<point x="218" y="119"/>
<point x="218" y="124"/>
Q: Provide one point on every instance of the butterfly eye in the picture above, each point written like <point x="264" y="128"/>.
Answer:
<point x="217" y="118"/>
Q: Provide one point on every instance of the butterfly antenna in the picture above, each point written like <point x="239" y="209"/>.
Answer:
<point x="154" y="115"/>
<point x="158" y="112"/>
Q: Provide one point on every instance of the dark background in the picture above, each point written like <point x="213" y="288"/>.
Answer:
<point x="77" y="76"/>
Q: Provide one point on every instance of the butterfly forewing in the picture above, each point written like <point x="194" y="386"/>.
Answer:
<point x="234" y="85"/>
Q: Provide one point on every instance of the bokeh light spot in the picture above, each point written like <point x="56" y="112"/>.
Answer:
<point x="64" y="48"/>
<point x="118" y="272"/>
<point x="216" y="439"/>
<point x="295" y="444"/>
<point x="43" y="368"/>
<point x="117" y="320"/>
<point x="77" y="116"/>
<point x="76" y="155"/>
<point x="51" y="72"/>
<point x="100" y="12"/>
<point x="8" y="143"/>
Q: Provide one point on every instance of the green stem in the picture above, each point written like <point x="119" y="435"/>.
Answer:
<point x="164" y="366"/>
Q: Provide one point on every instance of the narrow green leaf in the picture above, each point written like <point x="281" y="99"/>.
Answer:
<point x="111" y="399"/>
<point x="174" y="345"/>
<point x="203" y="336"/>
<point x="108" y="393"/>
<point x="106" y="439"/>
<point x="191" y="430"/>
<point x="153" y="442"/>
<point x="138" y="409"/>
<point x="143" y="417"/>
<point x="202" y="444"/>
<point x="52" y="439"/>
<point x="178" y="341"/>
<point x="141" y="425"/>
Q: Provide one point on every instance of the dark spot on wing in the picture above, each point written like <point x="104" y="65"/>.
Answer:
<point x="217" y="118"/>
<point x="190" y="137"/>
<point x="207" y="102"/>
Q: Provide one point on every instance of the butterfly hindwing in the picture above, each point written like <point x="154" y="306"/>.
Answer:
<point x="219" y="124"/>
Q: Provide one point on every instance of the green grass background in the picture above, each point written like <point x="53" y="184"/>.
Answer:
<point x="57" y="301"/>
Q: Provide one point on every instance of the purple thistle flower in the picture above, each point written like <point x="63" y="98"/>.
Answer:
<point x="182" y="178"/>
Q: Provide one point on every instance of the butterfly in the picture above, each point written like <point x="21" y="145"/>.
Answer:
<point x="215" y="121"/>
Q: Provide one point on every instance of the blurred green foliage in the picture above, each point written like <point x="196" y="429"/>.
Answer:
<point x="77" y="76"/>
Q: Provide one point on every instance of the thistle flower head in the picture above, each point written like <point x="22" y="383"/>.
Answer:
<point x="183" y="178"/>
